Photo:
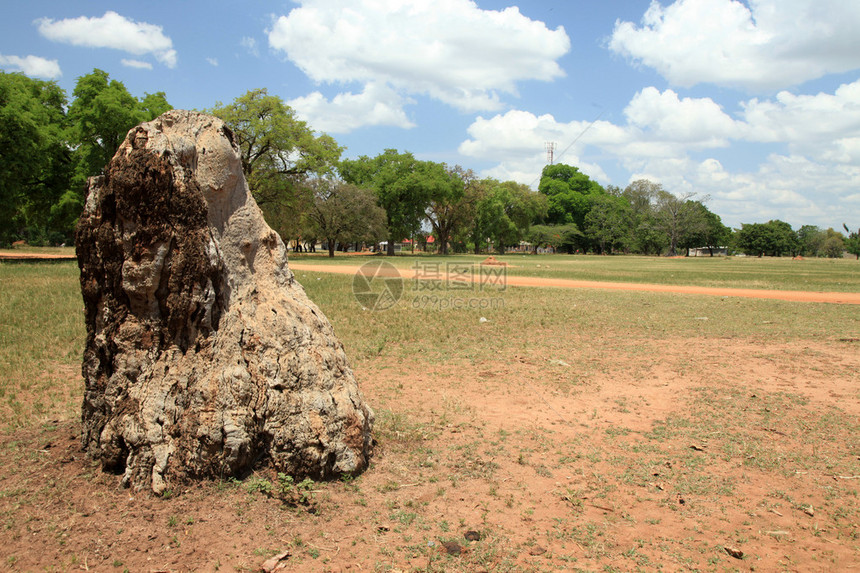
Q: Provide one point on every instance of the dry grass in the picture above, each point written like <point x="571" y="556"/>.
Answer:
<point x="574" y="430"/>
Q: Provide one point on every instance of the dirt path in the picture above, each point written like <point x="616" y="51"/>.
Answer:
<point x="789" y="295"/>
<point x="35" y="257"/>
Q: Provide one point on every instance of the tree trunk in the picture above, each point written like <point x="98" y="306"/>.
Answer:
<point x="390" y="247"/>
<point x="442" y="237"/>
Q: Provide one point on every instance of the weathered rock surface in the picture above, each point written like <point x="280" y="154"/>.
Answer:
<point x="204" y="356"/>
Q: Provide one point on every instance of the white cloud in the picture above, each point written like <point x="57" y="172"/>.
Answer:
<point x="212" y="62"/>
<point x="250" y="44"/>
<point x="772" y="44"/>
<point x="517" y="138"/>
<point x="450" y="50"/>
<point x="136" y="64"/>
<point x="825" y="126"/>
<point x="32" y="66"/>
<point x="376" y="105"/>
<point x="813" y="180"/>
<point x="699" y="123"/>
<point x="659" y="125"/>
<point x="111" y="31"/>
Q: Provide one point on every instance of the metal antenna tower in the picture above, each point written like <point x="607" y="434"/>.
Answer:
<point x="550" y="151"/>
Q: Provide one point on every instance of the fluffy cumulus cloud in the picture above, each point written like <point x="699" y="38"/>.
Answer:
<point x="813" y="177"/>
<point x="697" y="122"/>
<point x="32" y="66"/>
<point x="825" y="126"/>
<point x="771" y="44"/>
<point x="517" y="140"/>
<point x="111" y="31"/>
<point x="450" y="50"/>
<point x="377" y="104"/>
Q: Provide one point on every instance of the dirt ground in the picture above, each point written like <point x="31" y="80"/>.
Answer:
<point x="513" y="280"/>
<point x="568" y="458"/>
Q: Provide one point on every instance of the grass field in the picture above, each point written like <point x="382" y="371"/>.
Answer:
<point x="574" y="430"/>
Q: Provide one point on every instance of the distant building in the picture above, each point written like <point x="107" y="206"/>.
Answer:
<point x="706" y="252"/>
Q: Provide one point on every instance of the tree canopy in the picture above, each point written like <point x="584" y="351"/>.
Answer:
<point x="403" y="185"/>
<point x="36" y="161"/>
<point x="278" y="149"/>
<point x="774" y="238"/>
<point x="343" y="213"/>
<point x="49" y="146"/>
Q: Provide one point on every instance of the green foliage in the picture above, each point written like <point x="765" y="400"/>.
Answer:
<point x="279" y="152"/>
<point x="704" y="229"/>
<point x="153" y="105"/>
<point x="609" y="222"/>
<point x="567" y="191"/>
<point x="293" y="493"/>
<point x="450" y="206"/>
<point x="257" y="484"/>
<point x="834" y="244"/>
<point x="47" y="153"/>
<point x="774" y="238"/>
<point x="100" y="116"/>
<point x="505" y="212"/>
<point x="285" y="489"/>
<point x="36" y="161"/>
<point x="562" y="238"/>
<point x="647" y="237"/>
<point x="343" y="213"/>
<point x="811" y="240"/>
<point x="677" y="217"/>
<point x="404" y="187"/>
<point x="277" y="148"/>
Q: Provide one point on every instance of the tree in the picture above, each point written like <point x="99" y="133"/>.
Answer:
<point x="704" y="229"/>
<point x="278" y="152"/>
<point x="559" y="237"/>
<point x="609" y="222"/>
<point x="677" y="216"/>
<point x="470" y="230"/>
<point x="567" y="191"/>
<point x="342" y="213"/>
<point x="647" y="237"/>
<point x="783" y="239"/>
<point x="403" y="186"/>
<point x="506" y="212"/>
<point x="834" y="244"/>
<point x="446" y="210"/>
<point x="36" y="166"/>
<point x="852" y="243"/>
<point x="773" y="238"/>
<point x="101" y="114"/>
<point x="153" y="105"/>
<point x="811" y="240"/>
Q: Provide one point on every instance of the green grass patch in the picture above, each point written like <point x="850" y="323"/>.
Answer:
<point x="42" y="332"/>
<point x="41" y="342"/>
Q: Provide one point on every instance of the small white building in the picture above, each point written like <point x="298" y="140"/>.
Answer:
<point x="706" y="252"/>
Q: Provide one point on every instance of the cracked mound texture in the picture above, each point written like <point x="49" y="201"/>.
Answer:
<point x="204" y="356"/>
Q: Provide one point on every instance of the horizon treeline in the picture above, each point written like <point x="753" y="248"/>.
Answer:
<point x="51" y="145"/>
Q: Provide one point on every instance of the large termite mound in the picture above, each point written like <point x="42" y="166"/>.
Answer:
<point x="204" y="357"/>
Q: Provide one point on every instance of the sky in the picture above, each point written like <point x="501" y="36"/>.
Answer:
<point x="752" y="106"/>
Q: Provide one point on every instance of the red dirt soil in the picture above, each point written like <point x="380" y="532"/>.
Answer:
<point x="788" y="295"/>
<point x="602" y="461"/>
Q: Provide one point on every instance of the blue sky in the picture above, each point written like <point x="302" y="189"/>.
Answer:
<point x="753" y="105"/>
